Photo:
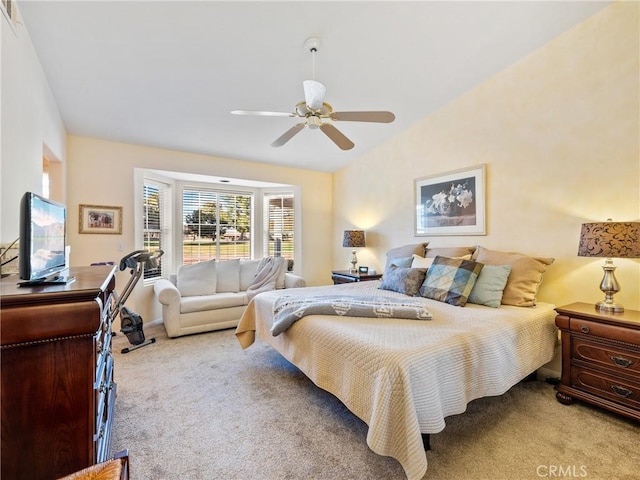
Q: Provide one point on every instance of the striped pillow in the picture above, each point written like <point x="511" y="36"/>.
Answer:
<point x="450" y="280"/>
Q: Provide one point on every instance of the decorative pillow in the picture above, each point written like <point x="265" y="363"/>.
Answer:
<point x="489" y="285"/>
<point x="403" y="280"/>
<point x="453" y="252"/>
<point x="228" y="276"/>
<point x="197" y="279"/>
<point x="426" y="262"/>
<point x="402" y="262"/>
<point x="450" y="280"/>
<point x="405" y="251"/>
<point x="248" y="269"/>
<point x="420" y="262"/>
<point x="524" y="279"/>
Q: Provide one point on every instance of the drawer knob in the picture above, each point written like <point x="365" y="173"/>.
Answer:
<point x="622" y="362"/>
<point x="623" y="392"/>
<point x="584" y="329"/>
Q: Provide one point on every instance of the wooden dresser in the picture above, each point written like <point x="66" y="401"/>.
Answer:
<point x="600" y="358"/>
<point x="58" y="394"/>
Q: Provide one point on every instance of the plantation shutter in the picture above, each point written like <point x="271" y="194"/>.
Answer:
<point x="155" y="223"/>
<point x="280" y="224"/>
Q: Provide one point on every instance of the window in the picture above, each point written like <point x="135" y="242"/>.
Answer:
<point x="216" y="225"/>
<point x="279" y="225"/>
<point x="155" y="222"/>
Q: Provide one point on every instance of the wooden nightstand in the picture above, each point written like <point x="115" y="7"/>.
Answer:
<point x="345" y="276"/>
<point x="600" y="358"/>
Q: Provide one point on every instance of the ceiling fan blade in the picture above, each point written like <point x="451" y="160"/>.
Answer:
<point x="314" y="94"/>
<point x="288" y="135"/>
<point x="265" y="114"/>
<point x="378" y="117"/>
<point x="336" y="136"/>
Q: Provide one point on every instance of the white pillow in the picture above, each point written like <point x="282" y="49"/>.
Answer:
<point x="248" y="270"/>
<point x="421" y="262"/>
<point x="197" y="279"/>
<point x="228" y="276"/>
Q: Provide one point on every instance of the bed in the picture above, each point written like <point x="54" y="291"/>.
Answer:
<point x="404" y="377"/>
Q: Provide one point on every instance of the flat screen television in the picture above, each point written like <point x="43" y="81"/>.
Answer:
<point x="43" y="234"/>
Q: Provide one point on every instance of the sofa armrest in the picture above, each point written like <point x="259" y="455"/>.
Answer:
<point x="166" y="292"/>
<point x="291" y="280"/>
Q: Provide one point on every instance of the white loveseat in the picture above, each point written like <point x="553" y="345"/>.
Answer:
<point x="213" y="295"/>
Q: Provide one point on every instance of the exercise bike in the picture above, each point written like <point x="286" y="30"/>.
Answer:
<point x="131" y="322"/>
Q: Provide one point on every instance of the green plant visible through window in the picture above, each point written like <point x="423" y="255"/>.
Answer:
<point x="216" y="225"/>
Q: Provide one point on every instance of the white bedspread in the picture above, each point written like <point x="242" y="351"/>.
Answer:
<point x="403" y="377"/>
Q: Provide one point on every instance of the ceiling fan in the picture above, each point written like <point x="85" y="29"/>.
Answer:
<point x="318" y="114"/>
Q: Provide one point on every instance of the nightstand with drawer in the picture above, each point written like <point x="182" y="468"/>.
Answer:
<point x="347" y="276"/>
<point x="600" y="358"/>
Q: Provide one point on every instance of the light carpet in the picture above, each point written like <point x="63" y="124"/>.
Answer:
<point x="199" y="408"/>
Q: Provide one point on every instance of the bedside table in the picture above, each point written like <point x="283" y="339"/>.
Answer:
<point x="600" y="358"/>
<point x="346" y="276"/>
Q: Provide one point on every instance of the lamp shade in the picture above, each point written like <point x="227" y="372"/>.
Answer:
<point x="610" y="239"/>
<point x="353" y="238"/>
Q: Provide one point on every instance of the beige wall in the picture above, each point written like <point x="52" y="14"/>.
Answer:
<point x="102" y="172"/>
<point x="558" y="132"/>
<point x="31" y="126"/>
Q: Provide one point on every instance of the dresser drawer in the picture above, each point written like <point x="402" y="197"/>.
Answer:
<point x="616" y="357"/>
<point x="606" y="386"/>
<point x="613" y="332"/>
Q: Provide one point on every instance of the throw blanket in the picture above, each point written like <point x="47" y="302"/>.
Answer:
<point x="289" y="309"/>
<point x="267" y="272"/>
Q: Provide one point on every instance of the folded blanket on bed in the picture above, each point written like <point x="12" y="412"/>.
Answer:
<point x="289" y="309"/>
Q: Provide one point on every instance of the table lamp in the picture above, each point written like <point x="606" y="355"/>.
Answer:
<point x="611" y="240"/>
<point x="353" y="239"/>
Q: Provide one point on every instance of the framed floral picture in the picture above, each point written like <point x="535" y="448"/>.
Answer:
<point x="100" y="219"/>
<point x="451" y="203"/>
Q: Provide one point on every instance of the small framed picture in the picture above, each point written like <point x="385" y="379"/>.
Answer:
<point x="100" y="219"/>
<point x="363" y="269"/>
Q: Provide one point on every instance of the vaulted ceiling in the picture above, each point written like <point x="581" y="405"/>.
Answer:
<point x="167" y="74"/>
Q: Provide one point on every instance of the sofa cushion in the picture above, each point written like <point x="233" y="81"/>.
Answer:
<point x="212" y="302"/>
<point x="228" y="276"/>
<point x="197" y="279"/>
<point x="248" y="269"/>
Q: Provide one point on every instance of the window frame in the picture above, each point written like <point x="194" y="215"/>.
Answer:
<point x="172" y="257"/>
<point x="141" y="177"/>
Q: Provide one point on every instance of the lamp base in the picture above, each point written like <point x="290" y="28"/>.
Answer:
<point x="354" y="262"/>
<point x="609" y="287"/>
<point x="609" y="307"/>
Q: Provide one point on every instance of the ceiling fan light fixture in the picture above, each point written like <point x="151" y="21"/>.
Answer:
<point x="313" y="122"/>
<point x="314" y="94"/>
